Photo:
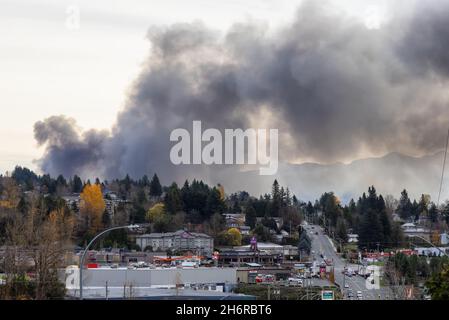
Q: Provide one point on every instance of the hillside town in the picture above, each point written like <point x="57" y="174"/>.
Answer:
<point x="66" y="238"/>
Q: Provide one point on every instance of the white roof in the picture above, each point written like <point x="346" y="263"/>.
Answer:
<point x="408" y="224"/>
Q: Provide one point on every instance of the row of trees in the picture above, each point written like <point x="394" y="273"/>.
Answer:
<point x="371" y="217"/>
<point x="431" y="272"/>
<point x="35" y="235"/>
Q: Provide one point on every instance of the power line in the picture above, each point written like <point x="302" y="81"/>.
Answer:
<point x="444" y="165"/>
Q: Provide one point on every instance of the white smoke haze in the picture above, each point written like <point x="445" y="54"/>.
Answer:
<point x="336" y="90"/>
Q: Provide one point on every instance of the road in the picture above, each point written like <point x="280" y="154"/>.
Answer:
<point x="322" y="244"/>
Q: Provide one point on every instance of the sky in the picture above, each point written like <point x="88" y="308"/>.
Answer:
<point x="53" y="63"/>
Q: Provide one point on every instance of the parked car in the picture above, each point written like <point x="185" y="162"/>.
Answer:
<point x="295" y="281"/>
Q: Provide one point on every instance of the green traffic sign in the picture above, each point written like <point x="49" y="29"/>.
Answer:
<point x="327" y="295"/>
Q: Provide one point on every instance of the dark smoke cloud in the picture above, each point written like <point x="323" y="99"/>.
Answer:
<point x="335" y="89"/>
<point x="70" y="152"/>
<point x="428" y="35"/>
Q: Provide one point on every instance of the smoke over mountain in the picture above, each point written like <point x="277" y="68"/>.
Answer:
<point x="336" y="90"/>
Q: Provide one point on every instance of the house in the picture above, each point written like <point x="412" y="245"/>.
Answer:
<point x="245" y="230"/>
<point x="279" y="221"/>
<point x="444" y="239"/>
<point x="280" y="236"/>
<point x="180" y="240"/>
<point x="396" y="218"/>
<point x="411" y="230"/>
<point x="353" y="238"/>
<point x="73" y="200"/>
<point x="234" y="220"/>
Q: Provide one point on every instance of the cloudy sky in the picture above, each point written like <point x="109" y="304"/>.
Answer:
<point x="51" y="65"/>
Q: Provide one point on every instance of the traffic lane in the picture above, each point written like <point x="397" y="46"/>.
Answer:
<point x="323" y="244"/>
<point x="356" y="283"/>
<point x="359" y="284"/>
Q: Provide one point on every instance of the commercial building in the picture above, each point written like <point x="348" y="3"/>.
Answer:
<point x="432" y="251"/>
<point x="266" y="254"/>
<point x="153" y="283"/>
<point x="238" y="257"/>
<point x="180" y="240"/>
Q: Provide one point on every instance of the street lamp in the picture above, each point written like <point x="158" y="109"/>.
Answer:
<point x="130" y="227"/>
<point x="427" y="241"/>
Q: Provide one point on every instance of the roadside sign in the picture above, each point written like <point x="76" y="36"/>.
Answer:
<point x="327" y="295"/>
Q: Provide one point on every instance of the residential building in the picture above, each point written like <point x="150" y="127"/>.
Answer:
<point x="353" y="238"/>
<point x="444" y="239"/>
<point x="411" y="230"/>
<point x="234" y="220"/>
<point x="180" y="240"/>
<point x="245" y="230"/>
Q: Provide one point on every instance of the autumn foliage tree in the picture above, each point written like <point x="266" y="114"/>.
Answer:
<point x="92" y="207"/>
<point x="230" y="237"/>
<point x="156" y="212"/>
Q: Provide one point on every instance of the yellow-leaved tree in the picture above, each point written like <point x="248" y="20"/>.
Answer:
<point x="221" y="191"/>
<point x="92" y="207"/>
<point x="156" y="212"/>
<point x="234" y="237"/>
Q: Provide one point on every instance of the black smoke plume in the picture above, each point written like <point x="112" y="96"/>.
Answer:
<point x="336" y="90"/>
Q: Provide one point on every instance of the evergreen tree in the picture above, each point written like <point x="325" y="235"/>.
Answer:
<point x="433" y="213"/>
<point x="341" y="230"/>
<point x="276" y="202"/>
<point x="370" y="233"/>
<point x="172" y="201"/>
<point x="404" y="209"/>
<point x="214" y="204"/>
<point x="155" y="187"/>
<point x="415" y="210"/>
<point x="145" y="182"/>
<point x="250" y="216"/>
<point x="384" y="221"/>
<point x="423" y="207"/>
<point x="77" y="184"/>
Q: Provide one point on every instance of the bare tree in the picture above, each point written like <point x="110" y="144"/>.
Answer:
<point x="37" y="242"/>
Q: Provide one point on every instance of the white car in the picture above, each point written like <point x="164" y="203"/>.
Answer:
<point x="295" y="281"/>
<point x="346" y="286"/>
